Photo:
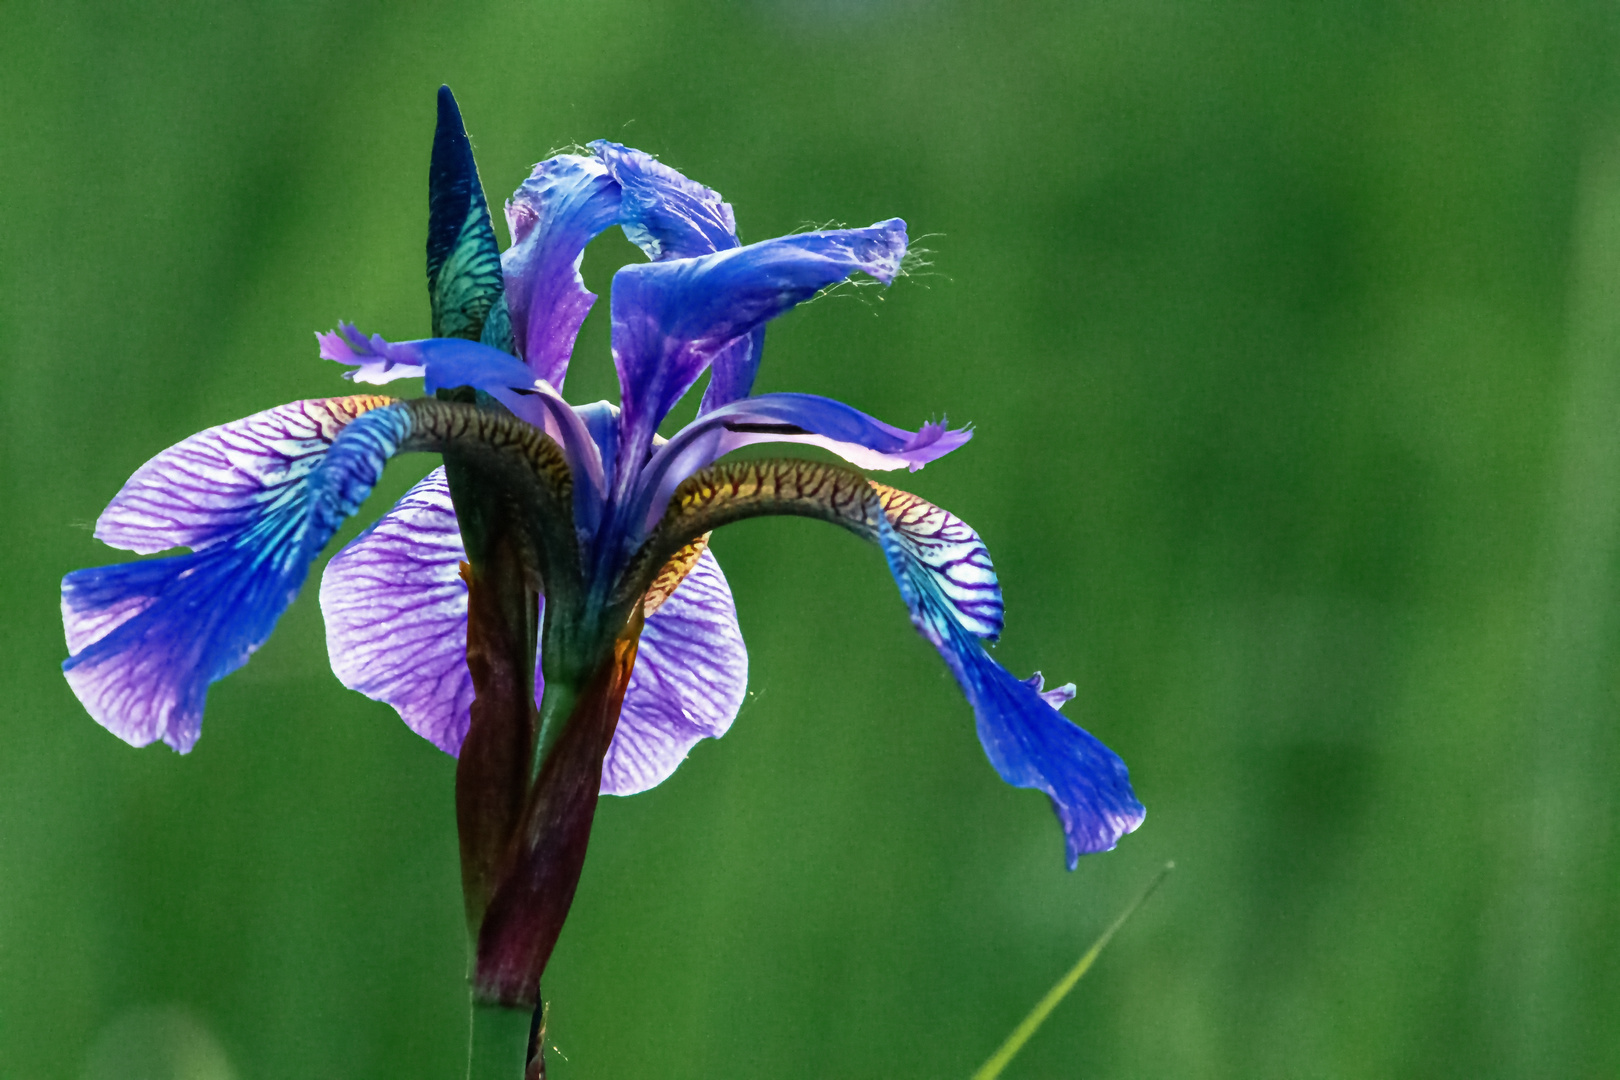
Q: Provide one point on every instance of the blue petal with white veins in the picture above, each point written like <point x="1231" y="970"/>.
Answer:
<point x="147" y="638"/>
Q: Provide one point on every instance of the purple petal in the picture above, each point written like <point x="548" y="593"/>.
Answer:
<point x="559" y="209"/>
<point x="396" y="631"/>
<point x="396" y="614"/>
<point x="791" y="418"/>
<point x="147" y="638"/>
<point x="444" y="363"/>
<point x="208" y="488"/>
<point x="732" y="371"/>
<point x="671" y="217"/>
<point x="1057" y="697"/>
<point x="689" y="681"/>
<point x="670" y="319"/>
<point x="376" y="361"/>
<point x="1028" y="741"/>
<point x="1032" y="745"/>
<point x="662" y="212"/>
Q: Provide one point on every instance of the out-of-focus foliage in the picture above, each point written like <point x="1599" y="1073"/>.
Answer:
<point x="1292" y="337"/>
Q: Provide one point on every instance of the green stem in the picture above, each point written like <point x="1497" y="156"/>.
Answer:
<point x="498" y="1047"/>
<point x="1037" y="1016"/>
<point x="557" y="704"/>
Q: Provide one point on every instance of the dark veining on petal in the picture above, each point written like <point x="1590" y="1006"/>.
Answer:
<point x="766" y="429"/>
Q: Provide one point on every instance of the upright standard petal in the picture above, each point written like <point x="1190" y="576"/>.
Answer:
<point x="395" y="606"/>
<point x="147" y="638"/>
<point x="558" y="210"/>
<point x="671" y="318"/>
<point x="662" y="212"/>
<point x="463" y="260"/>
<point x="671" y="217"/>
<point x="732" y="371"/>
<point x="690" y="678"/>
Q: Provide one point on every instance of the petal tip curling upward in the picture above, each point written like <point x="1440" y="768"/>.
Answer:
<point x="375" y="360"/>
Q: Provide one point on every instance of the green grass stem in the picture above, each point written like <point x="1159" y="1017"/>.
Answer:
<point x="1037" y="1016"/>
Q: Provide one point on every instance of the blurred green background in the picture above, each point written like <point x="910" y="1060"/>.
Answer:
<point x="1291" y="333"/>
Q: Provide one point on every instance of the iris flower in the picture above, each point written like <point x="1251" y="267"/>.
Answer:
<point x="544" y="605"/>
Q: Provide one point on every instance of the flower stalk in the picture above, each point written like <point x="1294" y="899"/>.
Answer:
<point x="498" y="1045"/>
<point x="492" y="775"/>
<point x="526" y="914"/>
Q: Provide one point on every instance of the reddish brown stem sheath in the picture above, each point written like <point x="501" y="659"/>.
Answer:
<point x="526" y="914"/>
<point x="492" y="770"/>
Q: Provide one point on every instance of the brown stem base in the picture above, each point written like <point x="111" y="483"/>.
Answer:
<point x="525" y="915"/>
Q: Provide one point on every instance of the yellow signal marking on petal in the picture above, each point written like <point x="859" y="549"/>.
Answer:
<point x="673" y="573"/>
<point x="837" y="493"/>
<point x="905" y="510"/>
<point x="749" y="488"/>
<point x="736" y="490"/>
<point x="355" y="404"/>
<point x="934" y="538"/>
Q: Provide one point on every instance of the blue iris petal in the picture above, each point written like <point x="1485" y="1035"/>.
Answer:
<point x="451" y="362"/>
<point x="1031" y="744"/>
<point x="662" y="212"/>
<point x="808" y="419"/>
<point x="671" y="319"/>
<point x="183" y="622"/>
<point x="671" y="217"/>
<point x="557" y="211"/>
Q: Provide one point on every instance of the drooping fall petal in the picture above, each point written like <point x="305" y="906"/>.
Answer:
<point x="212" y="486"/>
<point x="949" y="586"/>
<point x="1028" y="741"/>
<point x="147" y="638"/>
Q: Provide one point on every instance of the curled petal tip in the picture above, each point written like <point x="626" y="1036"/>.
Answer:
<point x="933" y="441"/>
<point x="885" y="264"/>
<point x="374" y="359"/>
<point x="666" y="214"/>
<point x="345" y="345"/>
<point x="1057" y="697"/>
